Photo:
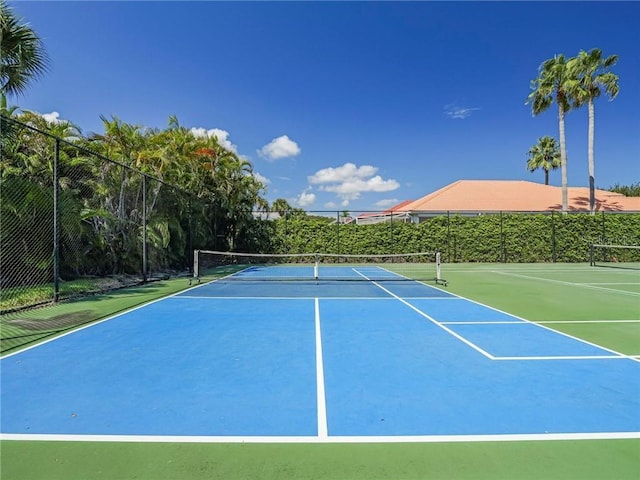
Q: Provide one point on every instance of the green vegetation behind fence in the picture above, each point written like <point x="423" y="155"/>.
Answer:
<point x="74" y="222"/>
<point x="497" y="237"/>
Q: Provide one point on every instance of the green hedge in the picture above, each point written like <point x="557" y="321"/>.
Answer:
<point x="507" y="237"/>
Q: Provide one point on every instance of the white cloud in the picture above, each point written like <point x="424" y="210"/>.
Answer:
<point x="53" y="117"/>
<point x="264" y="180"/>
<point x="306" y="198"/>
<point x="330" y="205"/>
<point x="280" y="147"/>
<point x="457" y="112"/>
<point x="349" y="181"/>
<point x="221" y="135"/>
<point x="351" y="189"/>
<point x="387" y="202"/>
<point x="346" y="172"/>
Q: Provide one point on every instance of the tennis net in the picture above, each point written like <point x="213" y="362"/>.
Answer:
<point x="423" y="266"/>
<point x="615" y="256"/>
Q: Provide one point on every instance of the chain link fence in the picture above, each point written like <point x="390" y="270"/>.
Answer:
<point x="73" y="223"/>
<point x="460" y="236"/>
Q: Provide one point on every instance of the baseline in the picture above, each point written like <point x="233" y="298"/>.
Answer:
<point x="516" y="437"/>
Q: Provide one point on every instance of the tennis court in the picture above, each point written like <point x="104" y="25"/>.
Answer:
<point x="381" y="358"/>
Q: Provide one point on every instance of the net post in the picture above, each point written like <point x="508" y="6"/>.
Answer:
<point x="315" y="267"/>
<point x="592" y="261"/>
<point x="196" y="267"/>
<point x="439" y="279"/>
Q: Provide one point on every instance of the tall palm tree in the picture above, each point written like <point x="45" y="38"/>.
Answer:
<point x="554" y="83"/>
<point x="545" y="155"/>
<point x="281" y="206"/>
<point x="22" y="55"/>
<point x="593" y="78"/>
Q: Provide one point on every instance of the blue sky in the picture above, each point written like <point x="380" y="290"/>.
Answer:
<point x="345" y="106"/>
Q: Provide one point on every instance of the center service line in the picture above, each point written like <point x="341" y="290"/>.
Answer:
<point x="322" y="404"/>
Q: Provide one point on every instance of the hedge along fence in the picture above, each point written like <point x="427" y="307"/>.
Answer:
<point x="499" y="237"/>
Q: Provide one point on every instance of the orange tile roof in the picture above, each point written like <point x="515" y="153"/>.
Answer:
<point x="516" y="196"/>
<point x="397" y="207"/>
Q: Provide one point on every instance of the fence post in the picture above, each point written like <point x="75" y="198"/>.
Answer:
<point x="189" y="233"/>
<point x="393" y="237"/>
<point x="287" y="243"/>
<point x="144" y="228"/>
<point x="604" y="231"/>
<point x="553" y="237"/>
<point x="502" y="252"/>
<point x="56" y="223"/>
<point x="448" y="235"/>
<point x="338" y="232"/>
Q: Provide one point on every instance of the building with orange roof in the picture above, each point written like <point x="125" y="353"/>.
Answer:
<point x="472" y="197"/>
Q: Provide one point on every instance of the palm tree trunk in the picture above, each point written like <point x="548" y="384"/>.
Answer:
<point x="592" y="181"/>
<point x="563" y="158"/>
<point x="546" y="177"/>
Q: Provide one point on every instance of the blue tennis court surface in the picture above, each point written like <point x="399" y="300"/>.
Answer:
<point x="317" y="360"/>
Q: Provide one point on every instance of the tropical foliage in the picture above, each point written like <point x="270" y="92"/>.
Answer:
<point x="508" y="237"/>
<point x="632" y="190"/>
<point x="168" y="188"/>
<point x="22" y="55"/>
<point x="571" y="84"/>
<point x="591" y="71"/>
<point x="544" y="155"/>
<point x="554" y="84"/>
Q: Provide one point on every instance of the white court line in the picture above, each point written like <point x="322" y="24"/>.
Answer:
<point x="435" y="322"/>
<point x="507" y="437"/>
<point x="97" y="322"/>
<point x="566" y="357"/>
<point x="110" y="317"/>
<point x="235" y="297"/>
<point x="610" y="283"/>
<point x="208" y="297"/>
<point x="483" y="322"/>
<point x="492" y="267"/>
<point x="321" y="400"/>
<point x="587" y="321"/>
<point x="631" y="357"/>
<point x="520" y="322"/>
<point x="571" y="284"/>
<point x="537" y="267"/>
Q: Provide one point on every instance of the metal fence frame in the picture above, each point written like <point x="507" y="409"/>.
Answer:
<point x="144" y="270"/>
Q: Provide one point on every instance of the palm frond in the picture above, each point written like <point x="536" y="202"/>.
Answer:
<point x="23" y="57"/>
